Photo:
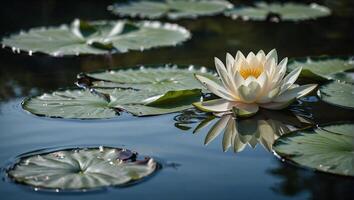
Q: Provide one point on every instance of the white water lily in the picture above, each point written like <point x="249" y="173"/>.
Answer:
<point x="248" y="83"/>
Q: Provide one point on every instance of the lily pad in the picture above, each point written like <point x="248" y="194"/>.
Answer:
<point x="98" y="37"/>
<point x="90" y="104"/>
<point x="328" y="149"/>
<point x="338" y="94"/>
<point x="154" y="78"/>
<point x="172" y="9"/>
<point x="276" y="11"/>
<point x="81" y="169"/>
<point x="324" y="68"/>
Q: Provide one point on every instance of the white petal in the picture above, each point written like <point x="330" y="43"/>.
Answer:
<point x="214" y="87"/>
<point x="217" y="105"/>
<point x="250" y="92"/>
<point x="282" y="69"/>
<point x="220" y="68"/>
<point x="268" y="97"/>
<point x="261" y="56"/>
<point x="262" y="79"/>
<point x="270" y="66"/>
<point x="250" y="57"/>
<point x="273" y="54"/>
<point x="290" y="79"/>
<point x="238" y="80"/>
<point x="295" y="93"/>
<point x="239" y="55"/>
<point x="229" y="62"/>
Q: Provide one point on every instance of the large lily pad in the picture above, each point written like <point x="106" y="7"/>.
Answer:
<point x="328" y="149"/>
<point x="155" y="78"/>
<point x="99" y="37"/>
<point x="82" y="168"/>
<point x="324" y="68"/>
<point x="276" y="11"/>
<point x="107" y="103"/>
<point x="338" y="93"/>
<point x="173" y="9"/>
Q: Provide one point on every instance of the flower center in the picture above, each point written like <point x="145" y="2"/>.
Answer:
<point x="251" y="71"/>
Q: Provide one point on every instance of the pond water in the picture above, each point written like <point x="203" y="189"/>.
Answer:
<point x="190" y="169"/>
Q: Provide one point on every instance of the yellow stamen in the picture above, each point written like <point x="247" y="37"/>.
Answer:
<point x="251" y="71"/>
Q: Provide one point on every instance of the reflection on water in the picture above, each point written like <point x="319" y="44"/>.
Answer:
<point x="263" y="128"/>
<point x="200" y="168"/>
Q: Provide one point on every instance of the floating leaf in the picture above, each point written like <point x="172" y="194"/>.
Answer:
<point x="324" y="68"/>
<point x="173" y="9"/>
<point x="337" y="93"/>
<point x="99" y="37"/>
<point x="81" y="168"/>
<point x="86" y="104"/>
<point x="77" y="104"/>
<point x="157" y="79"/>
<point x="328" y="149"/>
<point x="275" y="12"/>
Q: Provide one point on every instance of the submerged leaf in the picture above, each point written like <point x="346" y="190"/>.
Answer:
<point x="276" y="11"/>
<point x="81" y="168"/>
<point x="337" y="93"/>
<point x="173" y="9"/>
<point x="98" y="37"/>
<point x="328" y="149"/>
<point x="324" y="68"/>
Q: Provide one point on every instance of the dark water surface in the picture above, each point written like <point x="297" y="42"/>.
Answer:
<point x="190" y="170"/>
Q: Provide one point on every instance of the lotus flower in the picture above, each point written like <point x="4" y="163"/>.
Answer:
<point x="248" y="83"/>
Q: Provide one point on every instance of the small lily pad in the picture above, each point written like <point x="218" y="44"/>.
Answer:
<point x="328" y="149"/>
<point x="338" y="94"/>
<point x="276" y="12"/>
<point x="81" y="169"/>
<point x="154" y="78"/>
<point x="107" y="103"/>
<point x="98" y="37"/>
<point x="172" y="9"/>
<point x="324" y="68"/>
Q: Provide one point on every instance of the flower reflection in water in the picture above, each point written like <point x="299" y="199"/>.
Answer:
<point x="263" y="128"/>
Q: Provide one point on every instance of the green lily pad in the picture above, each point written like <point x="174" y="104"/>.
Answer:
<point x="328" y="149"/>
<point x="98" y="37"/>
<point x="324" y="68"/>
<point x="338" y="94"/>
<point x="154" y="78"/>
<point x="276" y="11"/>
<point x="107" y="103"/>
<point x="172" y="9"/>
<point x="81" y="169"/>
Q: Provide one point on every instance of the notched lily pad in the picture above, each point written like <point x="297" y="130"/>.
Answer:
<point x="108" y="103"/>
<point x="81" y="169"/>
<point x="324" y="67"/>
<point x="328" y="149"/>
<point x="338" y="93"/>
<point x="154" y="78"/>
<point x="276" y="12"/>
<point x="97" y="37"/>
<point x="172" y="9"/>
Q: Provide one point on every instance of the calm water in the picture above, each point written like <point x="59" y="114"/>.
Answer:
<point x="191" y="170"/>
